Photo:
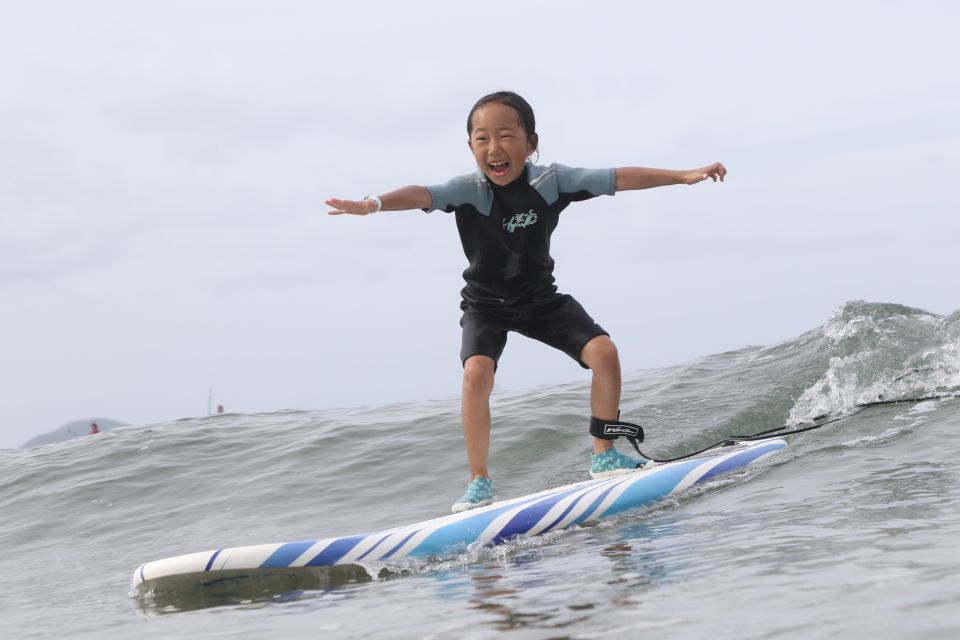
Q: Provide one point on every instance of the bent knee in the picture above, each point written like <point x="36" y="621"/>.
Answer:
<point x="478" y="374"/>
<point x="601" y="353"/>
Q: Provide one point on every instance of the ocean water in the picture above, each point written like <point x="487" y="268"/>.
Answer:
<point x="852" y="531"/>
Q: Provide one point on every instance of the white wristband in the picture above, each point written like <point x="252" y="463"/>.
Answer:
<point x="376" y="201"/>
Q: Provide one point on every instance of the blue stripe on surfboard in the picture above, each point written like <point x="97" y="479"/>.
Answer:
<point x="650" y="488"/>
<point x="286" y="554"/>
<point x="461" y="532"/>
<point x="741" y="459"/>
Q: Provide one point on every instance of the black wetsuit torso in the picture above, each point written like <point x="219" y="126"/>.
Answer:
<point x="505" y="230"/>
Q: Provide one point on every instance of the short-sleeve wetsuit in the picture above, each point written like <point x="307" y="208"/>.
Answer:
<point x="505" y="231"/>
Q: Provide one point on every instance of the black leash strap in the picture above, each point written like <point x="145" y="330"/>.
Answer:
<point x="613" y="429"/>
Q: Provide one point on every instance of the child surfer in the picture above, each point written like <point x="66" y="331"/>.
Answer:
<point x="506" y="212"/>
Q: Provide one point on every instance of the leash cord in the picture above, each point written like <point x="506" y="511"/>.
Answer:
<point x="787" y="431"/>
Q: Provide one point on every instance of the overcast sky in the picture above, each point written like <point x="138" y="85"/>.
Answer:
<point x="163" y="167"/>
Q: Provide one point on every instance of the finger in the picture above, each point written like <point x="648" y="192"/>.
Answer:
<point x="345" y="206"/>
<point x="336" y="204"/>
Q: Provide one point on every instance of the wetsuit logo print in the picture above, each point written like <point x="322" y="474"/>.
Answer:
<point x="521" y="221"/>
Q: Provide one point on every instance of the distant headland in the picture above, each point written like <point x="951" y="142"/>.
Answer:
<point x="73" y="430"/>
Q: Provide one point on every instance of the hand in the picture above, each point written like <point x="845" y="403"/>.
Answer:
<point x="714" y="171"/>
<point x="355" y="207"/>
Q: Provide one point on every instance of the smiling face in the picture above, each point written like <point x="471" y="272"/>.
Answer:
<point x="499" y="142"/>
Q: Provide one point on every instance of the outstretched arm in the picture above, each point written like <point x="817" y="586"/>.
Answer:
<point x="630" y="178"/>
<point x="412" y="197"/>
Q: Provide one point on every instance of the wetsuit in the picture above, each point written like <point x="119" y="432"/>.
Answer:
<point x="505" y="231"/>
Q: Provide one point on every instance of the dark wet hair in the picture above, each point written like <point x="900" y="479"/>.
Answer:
<point x="515" y="102"/>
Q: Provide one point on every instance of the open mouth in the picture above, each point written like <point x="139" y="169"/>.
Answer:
<point x="499" y="169"/>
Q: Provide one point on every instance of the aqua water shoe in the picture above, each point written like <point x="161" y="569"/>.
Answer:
<point x="479" y="493"/>
<point x="611" y="462"/>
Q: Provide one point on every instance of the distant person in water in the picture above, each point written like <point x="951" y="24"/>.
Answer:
<point x="93" y="429"/>
<point x="506" y="212"/>
<point x="219" y="408"/>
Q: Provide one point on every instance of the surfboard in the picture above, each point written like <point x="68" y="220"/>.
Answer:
<point x="535" y="514"/>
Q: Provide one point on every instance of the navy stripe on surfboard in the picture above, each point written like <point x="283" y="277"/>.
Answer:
<point x="565" y="512"/>
<point x="399" y="544"/>
<point x="593" y="506"/>
<point x="212" y="558"/>
<point x="529" y="516"/>
<point x="370" y="550"/>
<point x="336" y="550"/>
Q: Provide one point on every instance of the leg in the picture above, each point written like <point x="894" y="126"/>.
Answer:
<point x="475" y="412"/>
<point x="600" y="354"/>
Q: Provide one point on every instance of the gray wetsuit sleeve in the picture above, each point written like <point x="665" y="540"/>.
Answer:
<point x="555" y="179"/>
<point x="466" y="189"/>
<point x="598" y="182"/>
